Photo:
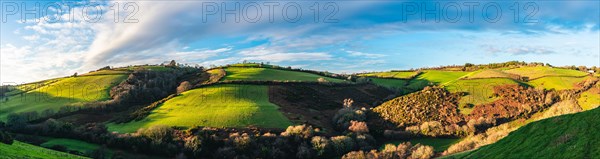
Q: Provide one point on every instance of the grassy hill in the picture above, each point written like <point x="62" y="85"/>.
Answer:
<point x="567" y="136"/>
<point x="216" y="106"/>
<point x="23" y="150"/>
<point x="558" y="83"/>
<point x="390" y="83"/>
<point x="542" y="71"/>
<point x="493" y="73"/>
<point x="269" y="74"/>
<point x="392" y="74"/>
<point x="437" y="77"/>
<point x="68" y="91"/>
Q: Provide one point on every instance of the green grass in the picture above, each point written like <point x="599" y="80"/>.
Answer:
<point x="436" y="77"/>
<point x="107" y="72"/>
<point x="23" y="150"/>
<point x="590" y="99"/>
<point x="438" y="144"/>
<point x="557" y="83"/>
<point x="395" y="74"/>
<point x="390" y="83"/>
<point x="70" y="91"/>
<point x="541" y="71"/>
<point x="479" y="91"/>
<point x="215" y="106"/>
<point x="567" y="136"/>
<point x="489" y="74"/>
<point x="70" y="144"/>
<point x="150" y="67"/>
<point x="268" y="74"/>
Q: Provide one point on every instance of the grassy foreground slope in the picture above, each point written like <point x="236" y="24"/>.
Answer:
<point x="269" y="74"/>
<point x="23" y="150"/>
<point x="215" y="106"/>
<point x="70" y="91"/>
<point x="567" y="136"/>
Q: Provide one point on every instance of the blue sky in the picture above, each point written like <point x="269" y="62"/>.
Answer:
<point x="339" y="36"/>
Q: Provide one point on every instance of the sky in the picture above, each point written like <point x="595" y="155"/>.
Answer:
<point x="48" y="39"/>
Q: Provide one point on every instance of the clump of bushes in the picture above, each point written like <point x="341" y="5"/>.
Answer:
<point x="403" y="150"/>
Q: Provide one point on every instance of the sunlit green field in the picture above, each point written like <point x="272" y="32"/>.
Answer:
<point x="390" y="83"/>
<point x="268" y="74"/>
<point x="107" y="72"/>
<point x="70" y="144"/>
<point x="23" y="150"/>
<point x="489" y="74"/>
<point x="567" y="136"/>
<point x="214" y="106"/>
<point x="557" y="83"/>
<point x="438" y="144"/>
<point x="69" y="91"/>
<point x="541" y="71"/>
<point x="479" y="91"/>
<point x="435" y="77"/>
<point x="401" y="75"/>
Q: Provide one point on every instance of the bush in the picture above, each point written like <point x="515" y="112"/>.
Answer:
<point x="184" y="86"/>
<point x="422" y="152"/>
<point x="321" y="144"/>
<point x="5" y="138"/>
<point x="342" y="144"/>
<point x="358" y="127"/>
<point x="158" y="133"/>
<point x="304" y="131"/>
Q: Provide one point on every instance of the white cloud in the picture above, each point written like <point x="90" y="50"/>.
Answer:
<point x="365" y="55"/>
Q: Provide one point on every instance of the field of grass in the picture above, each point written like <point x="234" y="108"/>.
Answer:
<point x="106" y="72"/>
<point x="400" y="75"/>
<point x="436" y="77"/>
<point x="390" y="83"/>
<point x="557" y="83"/>
<point x="70" y="91"/>
<point x="479" y="91"/>
<point x="268" y="74"/>
<point x="216" y="106"/>
<point x="70" y="144"/>
<point x="567" y="136"/>
<point x="438" y="144"/>
<point x="541" y="71"/>
<point x="590" y="99"/>
<point x="489" y="74"/>
<point x="24" y="150"/>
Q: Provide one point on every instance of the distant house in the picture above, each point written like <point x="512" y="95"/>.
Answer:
<point x="591" y="71"/>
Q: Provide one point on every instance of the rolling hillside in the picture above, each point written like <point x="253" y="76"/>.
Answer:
<point x="567" y="136"/>
<point x="543" y="71"/>
<point x="215" y="106"/>
<point x="68" y="91"/>
<point x="270" y="74"/>
<point x="24" y="150"/>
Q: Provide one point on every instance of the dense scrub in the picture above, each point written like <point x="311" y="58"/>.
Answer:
<point x="430" y="104"/>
